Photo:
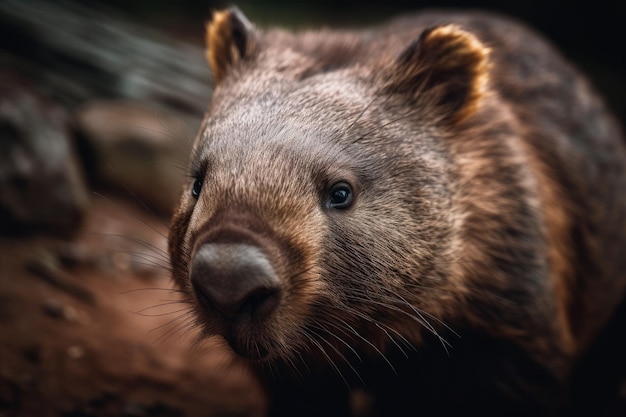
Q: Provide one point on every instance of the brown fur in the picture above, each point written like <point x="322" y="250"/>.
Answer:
<point x="482" y="253"/>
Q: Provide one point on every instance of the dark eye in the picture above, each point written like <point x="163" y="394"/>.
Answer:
<point x="340" y="196"/>
<point x="197" y="187"/>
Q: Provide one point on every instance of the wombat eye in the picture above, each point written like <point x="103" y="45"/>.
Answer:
<point x="340" y="196"/>
<point x="197" y="187"/>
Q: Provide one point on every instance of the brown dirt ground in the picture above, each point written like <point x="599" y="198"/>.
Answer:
<point x="88" y="327"/>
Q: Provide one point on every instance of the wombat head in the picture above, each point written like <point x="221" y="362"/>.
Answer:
<point x="324" y="210"/>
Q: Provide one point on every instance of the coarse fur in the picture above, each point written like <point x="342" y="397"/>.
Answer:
<point x="482" y="253"/>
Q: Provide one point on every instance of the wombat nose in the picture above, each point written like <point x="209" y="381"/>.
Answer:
<point x="236" y="279"/>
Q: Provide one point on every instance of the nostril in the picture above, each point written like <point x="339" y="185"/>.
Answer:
<point x="261" y="302"/>
<point x="258" y="304"/>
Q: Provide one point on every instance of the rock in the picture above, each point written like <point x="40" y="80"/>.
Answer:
<point x="137" y="149"/>
<point x="45" y="266"/>
<point x="75" y="51"/>
<point x="41" y="187"/>
<point x="58" y="310"/>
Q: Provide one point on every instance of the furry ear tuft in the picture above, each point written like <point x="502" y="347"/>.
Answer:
<point x="448" y="67"/>
<point x="229" y="38"/>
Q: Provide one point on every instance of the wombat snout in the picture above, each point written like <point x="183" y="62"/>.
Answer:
<point x="235" y="280"/>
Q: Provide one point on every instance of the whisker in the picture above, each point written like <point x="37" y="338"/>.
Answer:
<point x="421" y="312"/>
<point x="294" y="367"/>
<point x="386" y="329"/>
<point x="393" y="340"/>
<point x="368" y="342"/>
<point x="148" y="257"/>
<point x="151" y="289"/>
<point x="351" y="125"/>
<point x="154" y="265"/>
<point x="176" y="327"/>
<point x="157" y="314"/>
<point x="186" y="141"/>
<point x="420" y="318"/>
<point x="148" y="129"/>
<point x="182" y="168"/>
<point x="189" y="312"/>
<point x="328" y="358"/>
<point x="167" y="303"/>
<point x="341" y="355"/>
<point x="141" y="242"/>
<point x="142" y="221"/>
<point x="145" y="206"/>
<point x="337" y="337"/>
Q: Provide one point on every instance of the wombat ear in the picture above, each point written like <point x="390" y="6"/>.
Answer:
<point x="229" y="38"/>
<point x="446" y="67"/>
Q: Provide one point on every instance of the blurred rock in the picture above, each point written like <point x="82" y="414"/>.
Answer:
<point x="74" y="51"/>
<point x="46" y="266"/>
<point x="41" y="187"/>
<point x="78" y="53"/>
<point x="136" y="149"/>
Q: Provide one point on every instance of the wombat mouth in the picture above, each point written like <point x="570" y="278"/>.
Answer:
<point x="247" y="348"/>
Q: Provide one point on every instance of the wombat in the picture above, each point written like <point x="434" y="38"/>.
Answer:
<point x="432" y="212"/>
